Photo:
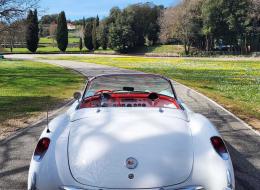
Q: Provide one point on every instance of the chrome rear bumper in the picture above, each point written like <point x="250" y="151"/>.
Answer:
<point x="183" y="188"/>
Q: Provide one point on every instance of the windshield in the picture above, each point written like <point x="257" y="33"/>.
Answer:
<point x="129" y="83"/>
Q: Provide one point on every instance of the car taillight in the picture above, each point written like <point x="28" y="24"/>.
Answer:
<point x="220" y="147"/>
<point x="41" y="148"/>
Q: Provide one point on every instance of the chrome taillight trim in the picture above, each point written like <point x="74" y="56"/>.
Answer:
<point x="192" y="188"/>
<point x="70" y="188"/>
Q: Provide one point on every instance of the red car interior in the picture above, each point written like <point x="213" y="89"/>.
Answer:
<point x="128" y="100"/>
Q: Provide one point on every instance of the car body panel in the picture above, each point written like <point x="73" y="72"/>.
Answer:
<point x="100" y="144"/>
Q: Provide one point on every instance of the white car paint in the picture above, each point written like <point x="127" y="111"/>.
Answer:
<point x="100" y="143"/>
<point x="89" y="148"/>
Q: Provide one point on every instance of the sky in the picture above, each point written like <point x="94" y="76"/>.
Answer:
<point x="77" y="9"/>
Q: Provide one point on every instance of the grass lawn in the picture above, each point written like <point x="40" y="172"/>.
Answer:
<point x="161" y="49"/>
<point x="50" y="40"/>
<point x="27" y="87"/>
<point x="48" y="49"/>
<point x="233" y="83"/>
<point x="46" y="41"/>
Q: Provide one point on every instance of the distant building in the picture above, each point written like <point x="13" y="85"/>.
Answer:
<point x="71" y="26"/>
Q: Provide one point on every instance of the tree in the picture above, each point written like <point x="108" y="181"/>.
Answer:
<point x="53" y="32"/>
<point x="49" y="19"/>
<point x="13" y="35"/>
<point x="84" y="22"/>
<point x="13" y="10"/>
<point x="153" y="34"/>
<point x="102" y="34"/>
<point x="254" y="30"/>
<point x="62" y="32"/>
<point x="226" y="23"/>
<point x="153" y="29"/>
<point x="32" y="32"/>
<point x="133" y="26"/>
<point x="183" y="23"/>
<point x="97" y="21"/>
<point x="94" y="34"/>
<point x="236" y="16"/>
<point x="143" y="19"/>
<point x="215" y="28"/>
<point x="166" y="22"/>
<point x="121" y="35"/>
<point x="115" y="12"/>
<point x="80" y="44"/>
<point x="88" y="33"/>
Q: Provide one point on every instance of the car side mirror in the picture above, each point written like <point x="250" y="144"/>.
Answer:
<point x="77" y="95"/>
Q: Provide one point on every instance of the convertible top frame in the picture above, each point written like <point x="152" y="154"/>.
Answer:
<point x="89" y="80"/>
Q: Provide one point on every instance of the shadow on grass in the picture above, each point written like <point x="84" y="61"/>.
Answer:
<point x="18" y="107"/>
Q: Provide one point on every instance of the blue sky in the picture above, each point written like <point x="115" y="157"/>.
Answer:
<point x="76" y="9"/>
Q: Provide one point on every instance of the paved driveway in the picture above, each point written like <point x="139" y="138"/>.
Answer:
<point x="243" y="142"/>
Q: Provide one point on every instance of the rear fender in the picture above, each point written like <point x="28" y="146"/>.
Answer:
<point x="47" y="170"/>
<point x="210" y="170"/>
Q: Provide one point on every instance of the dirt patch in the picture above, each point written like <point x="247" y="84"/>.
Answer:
<point x="11" y="126"/>
<point x="254" y="122"/>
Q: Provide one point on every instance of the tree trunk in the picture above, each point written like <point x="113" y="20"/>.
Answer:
<point x="245" y="45"/>
<point x="189" y="48"/>
<point x="207" y="43"/>
<point x="211" y="43"/>
<point x="11" y="45"/>
<point x="186" y="49"/>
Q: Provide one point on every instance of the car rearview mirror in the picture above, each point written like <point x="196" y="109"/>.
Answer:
<point x="77" y="95"/>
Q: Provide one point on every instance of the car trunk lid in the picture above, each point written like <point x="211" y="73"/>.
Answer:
<point x="101" y="142"/>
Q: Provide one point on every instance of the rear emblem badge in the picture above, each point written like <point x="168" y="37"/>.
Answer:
<point x="131" y="163"/>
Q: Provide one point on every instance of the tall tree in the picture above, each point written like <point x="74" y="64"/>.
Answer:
<point x="94" y="35"/>
<point x="121" y="35"/>
<point x="153" y="34"/>
<point x="226" y="23"/>
<point x="49" y="19"/>
<point x="183" y="23"/>
<point x="84" y="22"/>
<point x="102" y="34"/>
<point x="62" y="32"/>
<point x="80" y="44"/>
<point x="133" y="26"/>
<point x="113" y="15"/>
<point x="97" y="21"/>
<point x="236" y="16"/>
<point x="32" y="32"/>
<point x="254" y="30"/>
<point x="52" y="32"/>
<point x="88" y="33"/>
<point x="143" y="19"/>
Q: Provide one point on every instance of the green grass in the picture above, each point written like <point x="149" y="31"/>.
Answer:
<point x="50" y="49"/>
<point x="161" y="49"/>
<point x="46" y="40"/>
<point x="233" y="83"/>
<point x="50" y="40"/>
<point x="27" y="87"/>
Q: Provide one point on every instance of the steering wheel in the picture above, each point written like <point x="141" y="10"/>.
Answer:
<point x="102" y="91"/>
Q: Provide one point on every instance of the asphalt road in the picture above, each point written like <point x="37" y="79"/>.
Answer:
<point x="243" y="142"/>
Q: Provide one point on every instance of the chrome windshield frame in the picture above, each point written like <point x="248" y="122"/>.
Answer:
<point x="129" y="74"/>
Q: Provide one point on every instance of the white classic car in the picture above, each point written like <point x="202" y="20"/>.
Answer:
<point x="130" y="131"/>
